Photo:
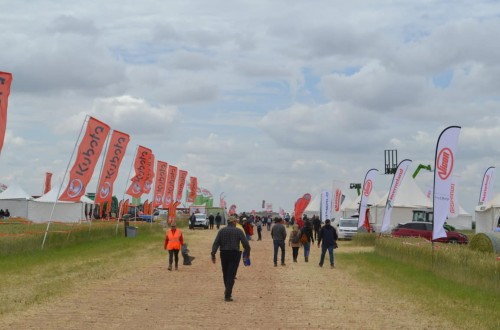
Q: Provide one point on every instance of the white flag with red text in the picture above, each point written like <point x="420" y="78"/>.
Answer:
<point x="443" y="178"/>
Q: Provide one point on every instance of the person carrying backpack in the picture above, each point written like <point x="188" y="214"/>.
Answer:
<point x="294" y="242"/>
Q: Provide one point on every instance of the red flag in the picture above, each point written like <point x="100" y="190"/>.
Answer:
<point x="193" y="188"/>
<point x="88" y="153"/>
<point x="48" y="180"/>
<point x="5" y="81"/>
<point x="169" y="192"/>
<point x="148" y="181"/>
<point x="141" y="171"/>
<point x="160" y="183"/>
<point x="300" y="207"/>
<point x="180" y="184"/>
<point x="114" y="156"/>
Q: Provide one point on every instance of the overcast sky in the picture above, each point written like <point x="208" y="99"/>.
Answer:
<point x="261" y="100"/>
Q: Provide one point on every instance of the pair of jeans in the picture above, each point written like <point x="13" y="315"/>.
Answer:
<point x="259" y="232"/>
<point x="279" y="243"/>
<point x="307" y="248"/>
<point x="229" y="260"/>
<point x="323" y="252"/>
<point x="171" y="255"/>
<point x="295" y="251"/>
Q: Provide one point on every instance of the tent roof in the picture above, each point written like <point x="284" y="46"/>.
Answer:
<point x="14" y="191"/>
<point x="354" y="205"/>
<point x="314" y="205"/>
<point x="409" y="194"/>
<point x="51" y="197"/>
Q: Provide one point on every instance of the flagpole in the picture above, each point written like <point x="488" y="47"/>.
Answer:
<point x="62" y="182"/>
<point x="125" y="190"/>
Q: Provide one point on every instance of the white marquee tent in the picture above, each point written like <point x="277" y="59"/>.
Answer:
<point x="487" y="216"/>
<point x="409" y="198"/>
<point x="16" y="200"/>
<point x="353" y="208"/>
<point x="21" y="204"/>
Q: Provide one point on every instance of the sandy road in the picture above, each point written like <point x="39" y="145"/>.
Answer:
<point x="296" y="296"/>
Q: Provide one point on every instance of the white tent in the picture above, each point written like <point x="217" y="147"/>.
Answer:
<point x="16" y="200"/>
<point x="41" y="209"/>
<point x="409" y="198"/>
<point x="353" y="208"/>
<point x="487" y="216"/>
<point x="313" y="207"/>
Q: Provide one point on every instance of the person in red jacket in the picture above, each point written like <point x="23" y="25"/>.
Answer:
<point x="173" y="243"/>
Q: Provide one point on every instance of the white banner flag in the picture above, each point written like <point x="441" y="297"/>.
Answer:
<point x="339" y="190"/>
<point x="365" y="195"/>
<point x="487" y="186"/>
<point x="396" y="183"/>
<point x="444" y="164"/>
<point x="325" y="211"/>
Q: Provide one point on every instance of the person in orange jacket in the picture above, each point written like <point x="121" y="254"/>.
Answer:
<point x="173" y="243"/>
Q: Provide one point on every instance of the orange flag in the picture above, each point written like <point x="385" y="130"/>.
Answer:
<point x="169" y="192"/>
<point x="160" y="183"/>
<point x="114" y="156"/>
<point x="48" y="180"/>
<point x="148" y="181"/>
<point x="141" y="172"/>
<point x="193" y="188"/>
<point x="5" y="81"/>
<point x="88" y="153"/>
<point x="180" y="184"/>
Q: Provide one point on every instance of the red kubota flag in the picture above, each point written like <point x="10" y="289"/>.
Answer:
<point x="5" y="81"/>
<point x="88" y="153"/>
<point x="114" y="156"/>
<point x="193" y="188"/>
<point x="180" y="184"/>
<point x="48" y="179"/>
<point x="160" y="183"/>
<point x="169" y="192"/>
<point x="148" y="181"/>
<point x="141" y="171"/>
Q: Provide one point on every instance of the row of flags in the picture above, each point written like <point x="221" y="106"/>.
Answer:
<point x="144" y="180"/>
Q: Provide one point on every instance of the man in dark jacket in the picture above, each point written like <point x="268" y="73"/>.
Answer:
<point x="327" y="235"/>
<point x="316" y="226"/>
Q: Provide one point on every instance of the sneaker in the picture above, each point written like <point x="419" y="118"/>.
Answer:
<point x="283" y="264"/>
<point x="228" y="299"/>
<point x="275" y="265"/>
<point x="320" y="264"/>
<point x="307" y="259"/>
<point x="170" y="267"/>
<point x="332" y="266"/>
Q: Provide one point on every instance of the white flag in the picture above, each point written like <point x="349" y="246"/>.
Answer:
<point x="444" y="164"/>
<point x="365" y="195"/>
<point x="396" y="183"/>
<point x="339" y="189"/>
<point x="487" y="186"/>
<point x="325" y="210"/>
<point x="453" y="197"/>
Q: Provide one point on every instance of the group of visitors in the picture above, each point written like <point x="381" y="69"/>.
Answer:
<point x="4" y="214"/>
<point x="232" y="242"/>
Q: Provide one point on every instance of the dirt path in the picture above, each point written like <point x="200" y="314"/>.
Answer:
<point x="296" y="296"/>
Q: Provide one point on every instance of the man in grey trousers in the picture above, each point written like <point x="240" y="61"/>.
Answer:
<point x="278" y="233"/>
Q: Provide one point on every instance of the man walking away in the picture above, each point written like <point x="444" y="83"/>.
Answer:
<point x="211" y="221"/>
<point x="278" y="233"/>
<point x="192" y="221"/>
<point x="316" y="226"/>
<point x="228" y="239"/>
<point x="218" y="220"/>
<point x="327" y="235"/>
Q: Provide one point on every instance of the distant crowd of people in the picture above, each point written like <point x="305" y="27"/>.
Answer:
<point x="4" y="214"/>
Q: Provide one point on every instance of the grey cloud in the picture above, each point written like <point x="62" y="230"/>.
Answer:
<point x="72" y="24"/>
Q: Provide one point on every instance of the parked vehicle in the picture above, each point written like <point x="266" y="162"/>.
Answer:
<point x="424" y="229"/>
<point x="347" y="228"/>
<point x="201" y="220"/>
